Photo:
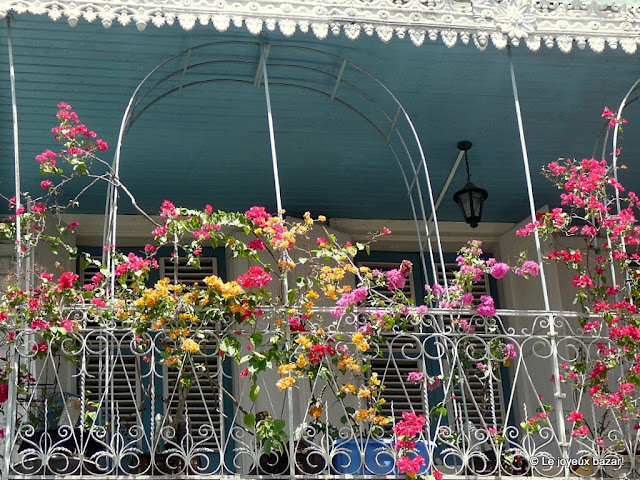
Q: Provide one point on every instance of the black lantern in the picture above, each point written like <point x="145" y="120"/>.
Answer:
<point x="470" y="198"/>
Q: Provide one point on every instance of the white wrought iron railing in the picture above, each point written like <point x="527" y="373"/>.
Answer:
<point x="101" y="403"/>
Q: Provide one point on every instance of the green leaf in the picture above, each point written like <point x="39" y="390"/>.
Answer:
<point x="267" y="446"/>
<point x="256" y="338"/>
<point x="367" y="248"/>
<point x="278" y="425"/>
<point x="291" y="296"/>
<point x="253" y="392"/>
<point x="250" y="420"/>
<point x="325" y="374"/>
<point x="303" y="260"/>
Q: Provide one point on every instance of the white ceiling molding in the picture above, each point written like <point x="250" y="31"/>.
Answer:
<point x="563" y="23"/>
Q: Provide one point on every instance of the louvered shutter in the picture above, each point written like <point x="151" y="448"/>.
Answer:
<point x="476" y="387"/>
<point x="189" y="274"/>
<point x="112" y="377"/>
<point x="202" y="404"/>
<point x="400" y="356"/>
<point x="116" y="367"/>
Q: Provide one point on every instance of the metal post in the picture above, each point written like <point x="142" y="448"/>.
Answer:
<point x="272" y="138"/>
<point x="558" y="395"/>
<point x="285" y="283"/>
<point x="16" y="153"/>
<point x="10" y="414"/>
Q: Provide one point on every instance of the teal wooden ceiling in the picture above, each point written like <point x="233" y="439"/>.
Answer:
<point x="209" y="143"/>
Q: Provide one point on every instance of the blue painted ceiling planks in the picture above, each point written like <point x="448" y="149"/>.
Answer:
<point x="209" y="143"/>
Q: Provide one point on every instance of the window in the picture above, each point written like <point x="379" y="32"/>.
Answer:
<point x="480" y="397"/>
<point x="112" y="363"/>
<point x="401" y="355"/>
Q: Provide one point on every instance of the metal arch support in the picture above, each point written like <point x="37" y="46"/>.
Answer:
<point x="558" y="395"/>
<point x="272" y="136"/>
<point x="16" y="153"/>
<point x="12" y="357"/>
<point x="147" y="90"/>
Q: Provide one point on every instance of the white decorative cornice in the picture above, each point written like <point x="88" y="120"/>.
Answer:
<point x="564" y="23"/>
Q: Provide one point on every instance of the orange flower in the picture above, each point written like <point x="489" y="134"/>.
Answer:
<point x="285" y="382"/>
<point x="315" y="411"/>
<point x="190" y="346"/>
<point x="347" y="388"/>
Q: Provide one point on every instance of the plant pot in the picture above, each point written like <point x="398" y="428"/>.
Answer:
<point x="363" y="456"/>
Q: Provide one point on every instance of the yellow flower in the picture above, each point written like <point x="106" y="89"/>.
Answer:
<point x="231" y="289"/>
<point x="307" y="218"/>
<point x="172" y="360"/>
<point x="365" y="415"/>
<point x="302" y="361"/>
<point x="190" y="346"/>
<point x="348" y="363"/>
<point x="364" y="392"/>
<point x="315" y="411"/>
<point x="320" y="331"/>
<point x="157" y="325"/>
<point x="312" y="295"/>
<point x="348" y="388"/>
<point x="191" y="297"/>
<point x="330" y="291"/>
<point x="282" y="369"/>
<point x="304" y="341"/>
<point x="357" y="338"/>
<point x="189" y="316"/>
<point x="214" y="282"/>
<point x="374" y="380"/>
<point x="278" y="322"/>
<point x="240" y="308"/>
<point x="322" y="218"/>
<point x="364" y="269"/>
<point x="360" y="341"/>
<point x="285" y="382"/>
<point x="381" y="420"/>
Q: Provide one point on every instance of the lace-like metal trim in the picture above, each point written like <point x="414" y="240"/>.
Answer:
<point x="563" y="23"/>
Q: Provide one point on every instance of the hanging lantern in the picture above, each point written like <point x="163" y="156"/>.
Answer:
<point x="470" y="198"/>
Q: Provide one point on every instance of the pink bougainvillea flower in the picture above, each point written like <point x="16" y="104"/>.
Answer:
<point x="167" y="209"/>
<point x="256" y="244"/>
<point x="258" y="215"/>
<point x="575" y="416"/>
<point x="67" y="279"/>
<point x="395" y="279"/>
<point x="410" y="466"/>
<point x="486" y="307"/>
<point x="255" y="277"/>
<point x="499" y="270"/>
<point x="98" y="302"/>
<point x="44" y="184"/>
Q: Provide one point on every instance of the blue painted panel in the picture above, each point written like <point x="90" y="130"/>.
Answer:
<point x="209" y="144"/>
